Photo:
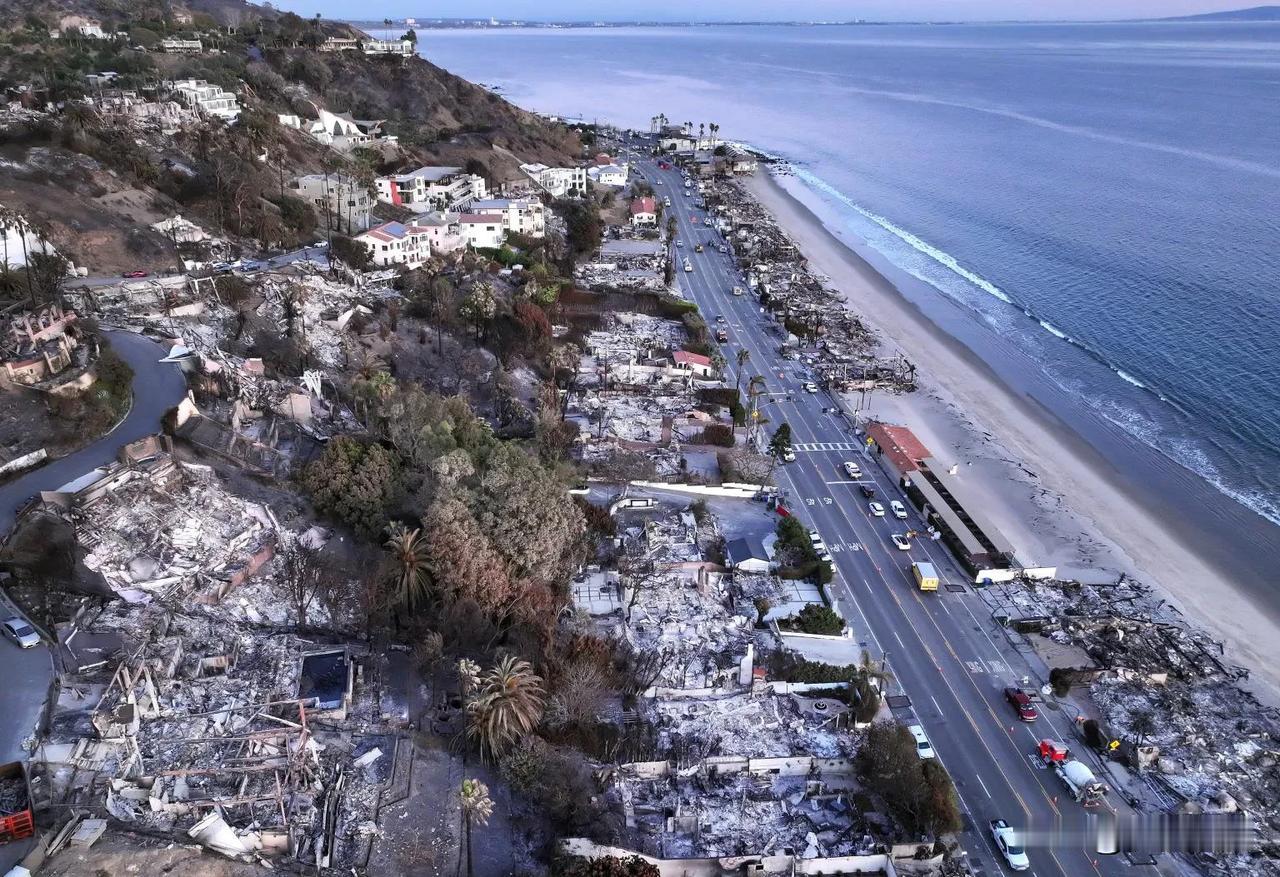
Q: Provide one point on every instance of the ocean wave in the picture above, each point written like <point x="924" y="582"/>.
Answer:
<point x="1181" y="451"/>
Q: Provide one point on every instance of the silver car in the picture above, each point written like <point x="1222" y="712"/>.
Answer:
<point x="21" y="633"/>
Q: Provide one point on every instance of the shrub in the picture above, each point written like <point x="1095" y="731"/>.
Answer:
<point x="793" y="668"/>
<point x="717" y="434"/>
<point x="817" y="619"/>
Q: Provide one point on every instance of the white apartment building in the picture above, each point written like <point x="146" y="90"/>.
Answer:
<point x="480" y="230"/>
<point x="431" y="188"/>
<point x="557" y="181"/>
<point x="206" y="99"/>
<point x="524" y="216"/>
<point x="339" y="199"/>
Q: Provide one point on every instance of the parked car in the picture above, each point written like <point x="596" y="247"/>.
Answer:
<point x="818" y="545"/>
<point x="788" y="456"/>
<point x="680" y="243"/>
<point x="1022" y="704"/>
<point x="320" y="245"/>
<point x="852" y="469"/>
<point x="876" y="509"/>
<point x="134" y="274"/>
<point x="899" y="510"/>
<point x="901" y="542"/>
<point x="21" y="633"/>
<point x="1007" y="844"/>
<point x="924" y="748"/>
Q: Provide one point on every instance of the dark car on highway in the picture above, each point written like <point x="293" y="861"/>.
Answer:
<point x="1021" y="703"/>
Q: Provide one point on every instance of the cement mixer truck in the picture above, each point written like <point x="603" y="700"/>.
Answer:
<point x="1075" y="775"/>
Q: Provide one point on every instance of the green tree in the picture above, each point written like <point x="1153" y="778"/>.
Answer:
<point x="818" y="619"/>
<point x="781" y="441"/>
<point x="743" y="356"/>
<point x="354" y="482"/>
<point x="407" y="554"/>
<point x="917" y="792"/>
<point x="350" y="252"/>
<point x="507" y="706"/>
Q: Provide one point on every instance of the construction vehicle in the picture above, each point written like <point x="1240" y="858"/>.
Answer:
<point x="926" y="576"/>
<point x="16" y="821"/>
<point x="1075" y="775"/>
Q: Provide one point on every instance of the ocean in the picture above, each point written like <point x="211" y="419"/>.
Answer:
<point x="1102" y="200"/>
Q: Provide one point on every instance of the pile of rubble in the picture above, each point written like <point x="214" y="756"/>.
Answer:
<point x="631" y="263"/>
<point x="804" y="303"/>
<point x="1201" y="742"/>
<point x="188" y="706"/>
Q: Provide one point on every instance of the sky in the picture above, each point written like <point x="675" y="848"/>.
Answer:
<point x="764" y="10"/>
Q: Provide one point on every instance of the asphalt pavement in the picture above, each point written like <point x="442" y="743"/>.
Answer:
<point x="944" y="651"/>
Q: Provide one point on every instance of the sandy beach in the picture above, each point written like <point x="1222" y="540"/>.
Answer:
<point x="1050" y="491"/>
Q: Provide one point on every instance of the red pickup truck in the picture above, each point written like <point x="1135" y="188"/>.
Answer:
<point x="1021" y="703"/>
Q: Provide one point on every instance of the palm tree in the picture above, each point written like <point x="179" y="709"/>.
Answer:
<point x="702" y="130"/>
<point x="477" y="806"/>
<point x="715" y="129"/>
<point x="508" y="706"/>
<point x="408" y="556"/>
<point x="743" y="357"/>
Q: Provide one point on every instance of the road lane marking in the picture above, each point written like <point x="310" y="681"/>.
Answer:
<point x="899" y="639"/>
<point x="978" y="777"/>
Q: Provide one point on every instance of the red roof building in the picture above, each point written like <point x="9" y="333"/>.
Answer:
<point x="643" y="205"/>
<point x="899" y="447"/>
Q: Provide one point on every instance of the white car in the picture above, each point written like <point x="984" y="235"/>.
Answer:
<point x="23" y="634"/>
<point x="679" y="243"/>
<point x="1007" y="844"/>
<point x="923" y="747"/>
<point x="902" y="542"/>
<point x="876" y="509"/>
<point x="810" y="387"/>
<point x="899" y="510"/>
<point x="788" y="456"/>
<point x="818" y="545"/>
<point x="853" y="470"/>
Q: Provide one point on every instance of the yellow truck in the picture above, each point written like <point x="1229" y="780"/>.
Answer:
<point x="926" y="576"/>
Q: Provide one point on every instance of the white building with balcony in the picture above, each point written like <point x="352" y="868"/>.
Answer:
<point x="431" y="188"/>
<point x="207" y="100"/>
<point x="396" y="244"/>
<point x="525" y="216"/>
<point x="403" y="48"/>
<point x="482" y="231"/>
<point x="558" y="182"/>
<point x="608" y="175"/>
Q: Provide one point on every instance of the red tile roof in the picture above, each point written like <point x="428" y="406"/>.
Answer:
<point x="644" y="205"/>
<point x="684" y="357"/>
<point x="899" y="444"/>
<point x="480" y="219"/>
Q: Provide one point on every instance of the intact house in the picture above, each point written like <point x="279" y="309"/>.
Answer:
<point x="336" y="130"/>
<point x="608" y="175"/>
<point x="181" y="47"/>
<point x="431" y="188"/>
<point x="748" y="554"/>
<point x="393" y="244"/>
<point x="694" y="364"/>
<point x="644" y="211"/>
<point x="524" y="216"/>
<point x="37" y="345"/>
<point x="403" y="48"/>
<point x="558" y="182"/>
<point x="482" y="230"/>
<point x="443" y="231"/>
<point x="206" y="99"/>
<point x="337" y="198"/>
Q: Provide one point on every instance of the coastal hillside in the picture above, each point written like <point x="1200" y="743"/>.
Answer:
<point x="1253" y="13"/>
<point x="114" y="182"/>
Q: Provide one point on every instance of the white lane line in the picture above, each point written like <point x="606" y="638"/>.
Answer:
<point x="899" y="639"/>
<point x="936" y="705"/>
<point x="978" y="777"/>
<point x="943" y="604"/>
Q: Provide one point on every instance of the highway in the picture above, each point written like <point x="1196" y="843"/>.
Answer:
<point x="944" y="651"/>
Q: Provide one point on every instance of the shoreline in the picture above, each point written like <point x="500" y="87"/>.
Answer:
<point x="1034" y="472"/>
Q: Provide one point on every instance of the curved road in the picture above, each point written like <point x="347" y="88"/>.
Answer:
<point x="157" y="387"/>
